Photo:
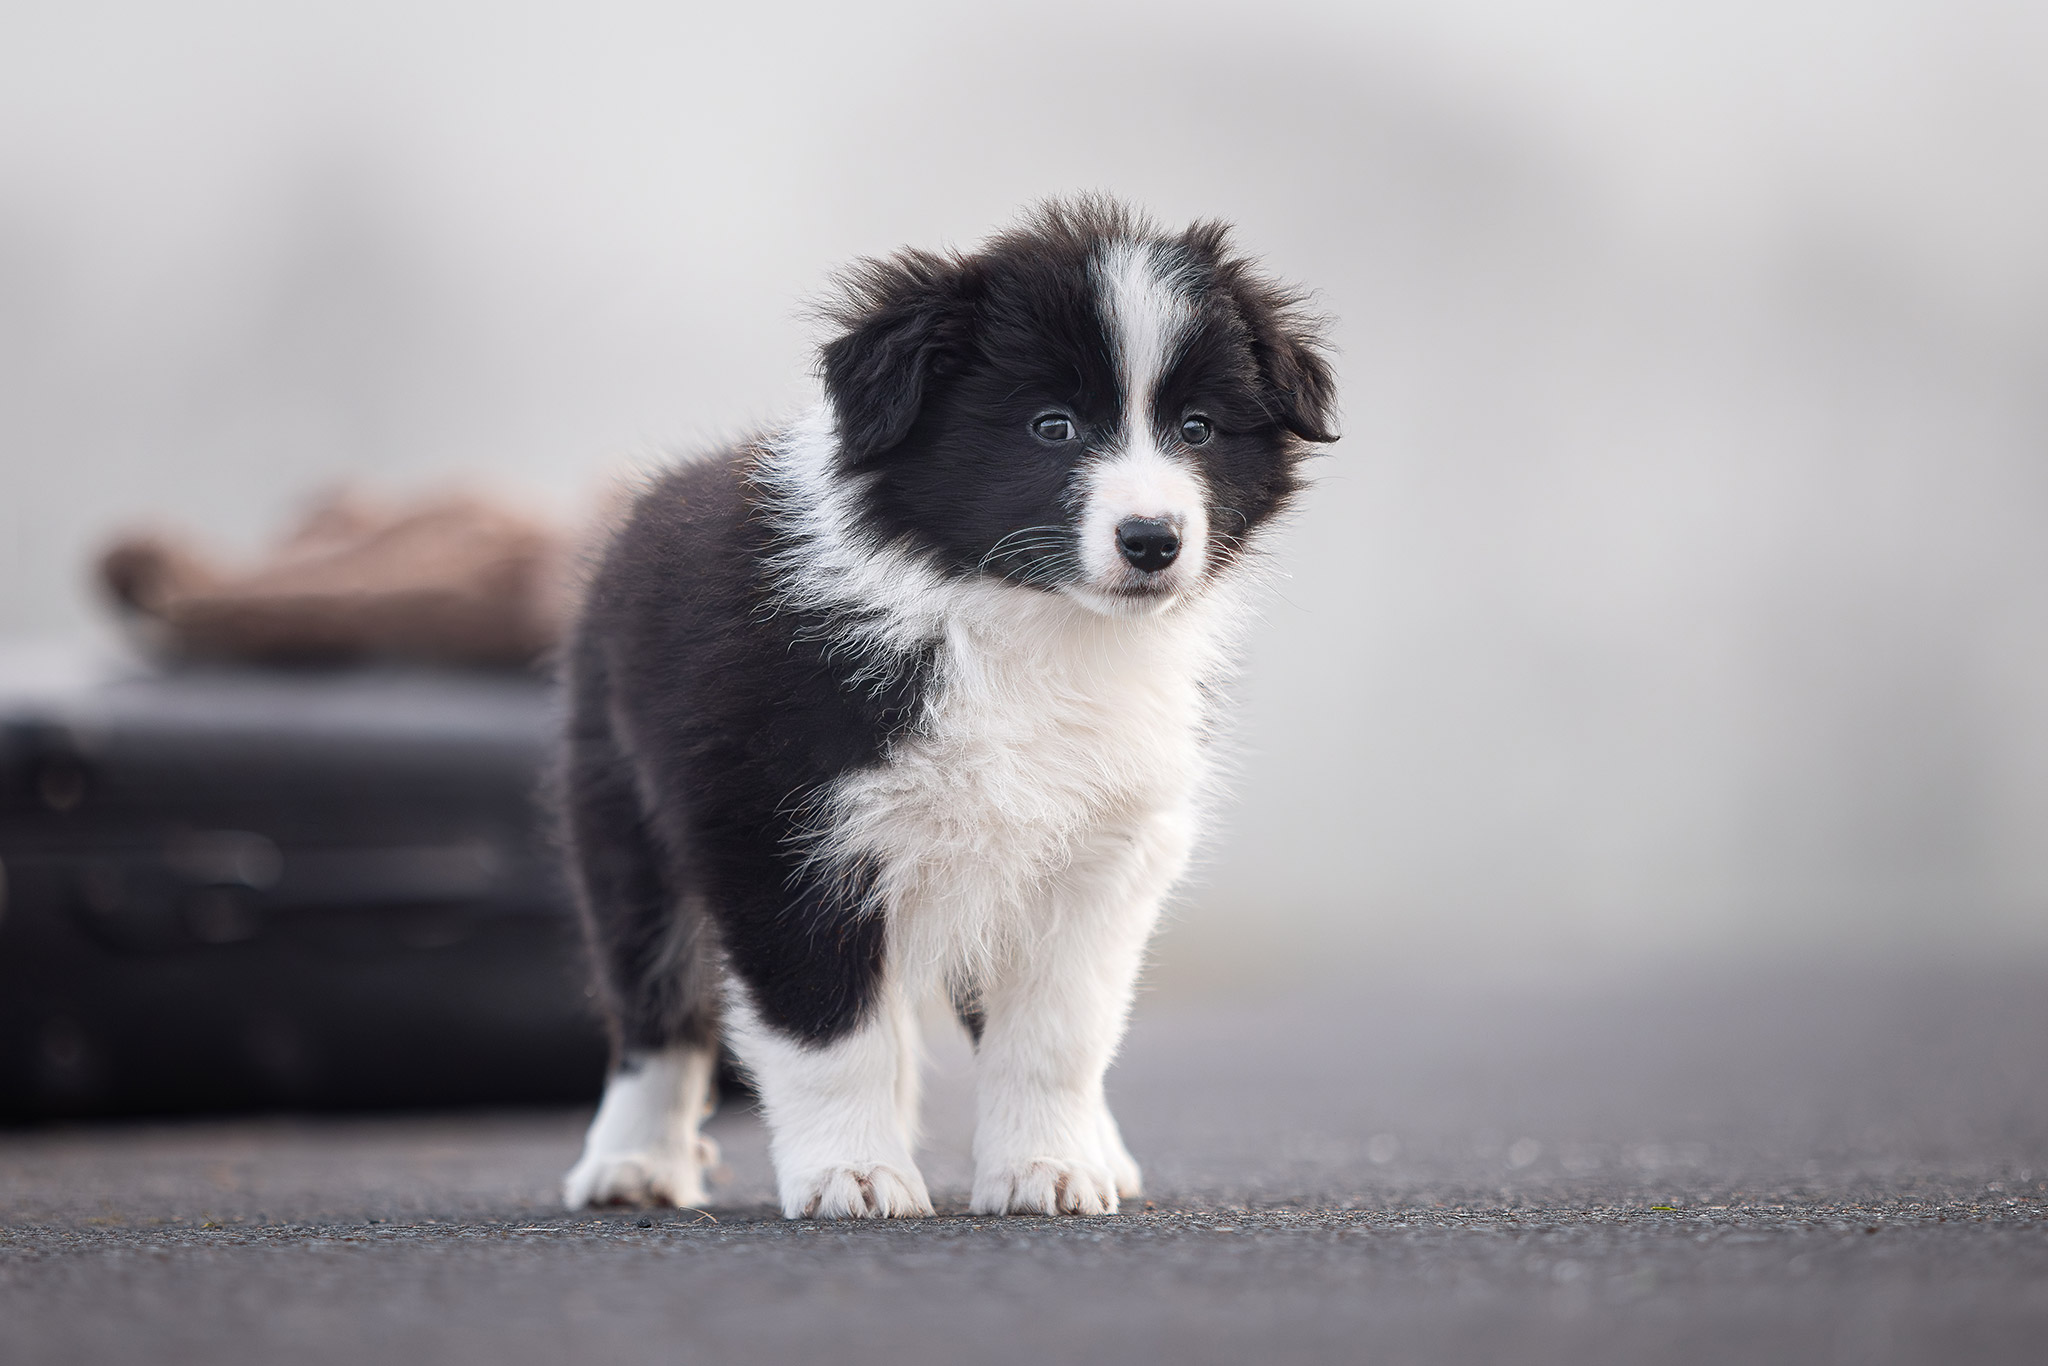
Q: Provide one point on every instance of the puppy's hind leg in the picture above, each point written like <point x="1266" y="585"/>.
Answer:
<point x="644" y="1147"/>
<point x="652" y="953"/>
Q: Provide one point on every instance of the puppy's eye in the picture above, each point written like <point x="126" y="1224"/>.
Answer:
<point x="1196" y="429"/>
<point x="1053" y="427"/>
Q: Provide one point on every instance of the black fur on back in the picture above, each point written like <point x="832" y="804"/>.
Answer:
<point x="699" y="723"/>
<point x="707" y="713"/>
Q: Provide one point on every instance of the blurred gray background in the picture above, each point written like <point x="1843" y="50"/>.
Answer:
<point x="1680" y="587"/>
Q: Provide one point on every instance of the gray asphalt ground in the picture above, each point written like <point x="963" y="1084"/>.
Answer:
<point x="1756" y="1163"/>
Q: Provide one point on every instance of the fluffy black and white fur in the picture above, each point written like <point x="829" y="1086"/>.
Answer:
<point x="913" y="695"/>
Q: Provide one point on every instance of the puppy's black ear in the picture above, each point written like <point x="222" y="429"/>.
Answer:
<point x="1285" y="338"/>
<point x="904" y="324"/>
<point x="1288" y="346"/>
<point x="1304" y="392"/>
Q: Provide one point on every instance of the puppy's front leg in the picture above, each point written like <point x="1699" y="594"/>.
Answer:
<point x="1045" y="1142"/>
<point x="839" y="1114"/>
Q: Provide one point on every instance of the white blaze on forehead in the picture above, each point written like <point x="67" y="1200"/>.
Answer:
<point x="1147" y="316"/>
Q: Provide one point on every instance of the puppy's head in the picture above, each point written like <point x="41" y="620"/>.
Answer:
<point x="1086" y="405"/>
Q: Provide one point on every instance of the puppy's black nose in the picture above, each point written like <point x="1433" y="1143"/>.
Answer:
<point x="1148" y="543"/>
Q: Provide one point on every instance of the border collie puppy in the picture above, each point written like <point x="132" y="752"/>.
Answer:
<point x="914" y="696"/>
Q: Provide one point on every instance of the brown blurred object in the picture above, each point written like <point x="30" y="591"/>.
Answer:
<point x="454" y="580"/>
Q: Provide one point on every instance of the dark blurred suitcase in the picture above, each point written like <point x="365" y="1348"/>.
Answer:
<point x="233" y="889"/>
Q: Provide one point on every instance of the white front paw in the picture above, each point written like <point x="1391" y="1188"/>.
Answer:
<point x="857" y="1190"/>
<point x="1047" y="1186"/>
<point x="645" y="1178"/>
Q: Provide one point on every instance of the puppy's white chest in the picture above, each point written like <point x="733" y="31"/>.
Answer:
<point x="1044" y="747"/>
<point x="1038" y="750"/>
